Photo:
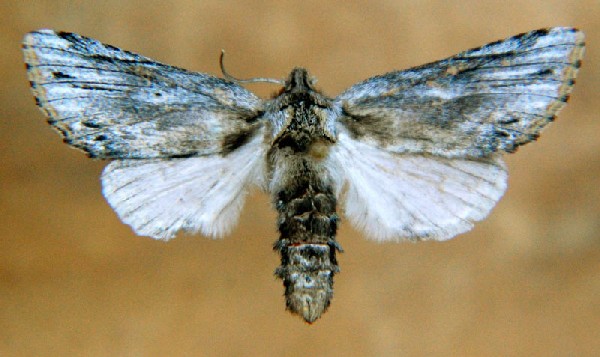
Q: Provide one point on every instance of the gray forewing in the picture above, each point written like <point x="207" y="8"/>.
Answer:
<point x="116" y="104"/>
<point x="484" y="100"/>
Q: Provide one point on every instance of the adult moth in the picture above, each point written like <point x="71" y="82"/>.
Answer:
<point x="411" y="154"/>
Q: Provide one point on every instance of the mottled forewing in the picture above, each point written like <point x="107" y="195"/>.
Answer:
<point x="484" y="100"/>
<point x="115" y="104"/>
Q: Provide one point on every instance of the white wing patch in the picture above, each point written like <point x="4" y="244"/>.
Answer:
<point x="157" y="198"/>
<point x="415" y="197"/>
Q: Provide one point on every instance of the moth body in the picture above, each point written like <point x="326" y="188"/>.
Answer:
<point x="407" y="155"/>
<point x="303" y="192"/>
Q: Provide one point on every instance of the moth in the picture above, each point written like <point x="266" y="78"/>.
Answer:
<point x="410" y="155"/>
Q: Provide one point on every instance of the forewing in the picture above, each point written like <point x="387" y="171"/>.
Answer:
<point x="488" y="99"/>
<point x="393" y="196"/>
<point x="158" y="198"/>
<point x="116" y="104"/>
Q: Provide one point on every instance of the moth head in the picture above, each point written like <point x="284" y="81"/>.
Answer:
<point x="299" y="81"/>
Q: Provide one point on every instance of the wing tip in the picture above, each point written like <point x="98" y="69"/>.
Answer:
<point x="32" y="38"/>
<point x="568" y="75"/>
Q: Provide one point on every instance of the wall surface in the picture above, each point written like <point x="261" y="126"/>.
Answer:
<point x="74" y="280"/>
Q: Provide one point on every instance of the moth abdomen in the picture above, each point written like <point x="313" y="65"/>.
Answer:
<point x="307" y="272"/>
<point x="307" y="224"/>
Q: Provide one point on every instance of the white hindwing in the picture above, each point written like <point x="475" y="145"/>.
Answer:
<point x="158" y="197"/>
<point x="403" y="196"/>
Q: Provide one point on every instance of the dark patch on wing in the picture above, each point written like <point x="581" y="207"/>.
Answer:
<point x="92" y="87"/>
<point x="539" y="32"/>
<point x="183" y="156"/>
<point x="544" y="72"/>
<point x="61" y="75"/>
<point x="253" y="118"/>
<point x="366" y="125"/>
<point x="69" y="36"/>
<point x="81" y="44"/>
<point x="233" y="141"/>
<point x="91" y="125"/>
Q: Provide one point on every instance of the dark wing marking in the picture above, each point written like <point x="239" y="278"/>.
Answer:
<point x="112" y="103"/>
<point x="484" y="100"/>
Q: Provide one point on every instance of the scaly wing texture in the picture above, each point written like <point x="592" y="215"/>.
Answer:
<point x="115" y="104"/>
<point x="420" y="148"/>
<point x="187" y="144"/>
<point x="488" y="99"/>
<point x="416" y="197"/>
<point x="159" y="197"/>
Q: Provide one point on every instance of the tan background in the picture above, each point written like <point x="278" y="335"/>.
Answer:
<point x="75" y="281"/>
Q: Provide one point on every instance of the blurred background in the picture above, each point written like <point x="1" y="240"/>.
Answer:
<point x="75" y="281"/>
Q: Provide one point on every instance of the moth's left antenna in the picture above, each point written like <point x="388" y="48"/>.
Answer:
<point x="250" y="80"/>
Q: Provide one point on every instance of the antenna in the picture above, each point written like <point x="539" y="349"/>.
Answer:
<point x="250" y="80"/>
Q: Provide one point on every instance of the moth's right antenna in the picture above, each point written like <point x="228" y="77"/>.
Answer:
<point x="250" y="80"/>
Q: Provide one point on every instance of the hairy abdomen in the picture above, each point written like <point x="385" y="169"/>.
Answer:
<point x="306" y="204"/>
